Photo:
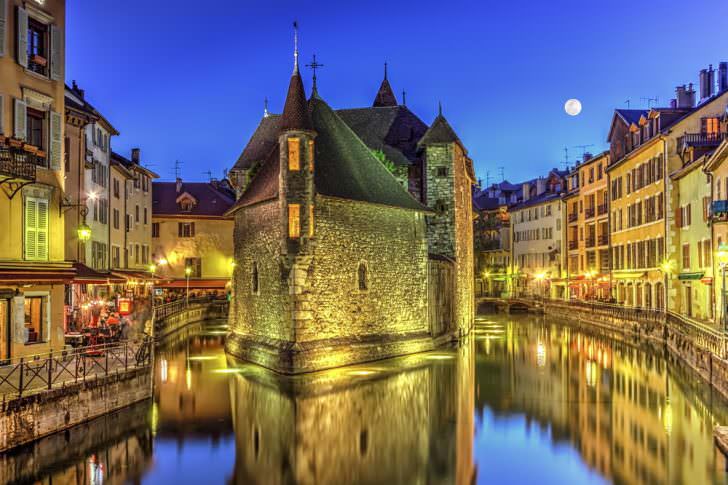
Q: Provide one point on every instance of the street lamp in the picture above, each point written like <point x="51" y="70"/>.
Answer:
<point x="723" y="264"/>
<point x="188" y="272"/>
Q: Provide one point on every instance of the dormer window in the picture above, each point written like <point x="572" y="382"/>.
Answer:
<point x="186" y="205"/>
<point x="294" y="154"/>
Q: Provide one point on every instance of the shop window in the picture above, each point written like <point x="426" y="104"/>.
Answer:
<point x="294" y="154"/>
<point x="35" y="318"/>
<point x="362" y="277"/>
<point x="294" y="221"/>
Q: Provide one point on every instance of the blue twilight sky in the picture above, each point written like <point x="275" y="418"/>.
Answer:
<point x="186" y="80"/>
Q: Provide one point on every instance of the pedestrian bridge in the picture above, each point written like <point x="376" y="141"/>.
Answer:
<point x="489" y="304"/>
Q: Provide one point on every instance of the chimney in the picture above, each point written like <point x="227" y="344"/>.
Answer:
<point x="673" y="103"/>
<point x="78" y="90"/>
<point x="526" y="191"/>
<point x="540" y="186"/>
<point x="135" y="152"/>
<point x="587" y="156"/>
<point x="707" y="81"/>
<point x="178" y="185"/>
<point x="722" y="77"/>
<point x="685" y="97"/>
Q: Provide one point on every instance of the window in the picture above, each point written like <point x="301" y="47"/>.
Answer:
<point x="686" y="256"/>
<point x="98" y="255"/>
<point x="196" y="265"/>
<point x="146" y="220"/>
<point x="155" y="229"/>
<point x="310" y="220"/>
<point x="294" y="221"/>
<point x="66" y="153"/>
<point x="362" y="277"/>
<point x="310" y="155"/>
<point x="294" y="154"/>
<point x="36" y="123"/>
<point x="103" y="214"/>
<point x="115" y="218"/>
<point x="254" y="284"/>
<point x="37" y="47"/>
<point x="36" y="229"/>
<point x="137" y="254"/>
<point x="115" y="255"/>
<point x="127" y="223"/>
<point x="136" y="214"/>
<point x="186" y="229"/>
<point x="442" y="171"/>
<point x="116" y="188"/>
<point x="36" y="316"/>
<point x="145" y="254"/>
<point x="710" y="127"/>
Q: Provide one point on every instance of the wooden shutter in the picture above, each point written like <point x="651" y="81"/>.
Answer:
<point x="56" y="53"/>
<point x="3" y="25"/>
<point x="192" y="229"/>
<point x="31" y="222"/>
<point x="21" y="37"/>
<point x="678" y="217"/>
<point x="21" y="119"/>
<point x="56" y="141"/>
<point x="42" y="230"/>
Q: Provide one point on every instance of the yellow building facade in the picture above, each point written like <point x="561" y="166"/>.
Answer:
<point x="587" y="229"/>
<point x="32" y="249"/>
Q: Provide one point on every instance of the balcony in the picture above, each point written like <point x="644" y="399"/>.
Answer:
<point x="17" y="169"/>
<point x="590" y="242"/>
<point x="719" y="210"/>
<point x="603" y="240"/>
<point x="573" y="217"/>
<point x="589" y="212"/>
<point x="601" y="209"/>
<point x="573" y="245"/>
<point x="706" y="140"/>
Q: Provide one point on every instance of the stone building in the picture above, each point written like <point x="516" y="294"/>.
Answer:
<point x="191" y="233"/>
<point x="33" y="270"/>
<point x="331" y="250"/>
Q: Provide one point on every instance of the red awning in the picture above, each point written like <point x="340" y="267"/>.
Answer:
<point x="198" y="284"/>
<point x="84" y="274"/>
<point x="133" y="275"/>
<point x="30" y="273"/>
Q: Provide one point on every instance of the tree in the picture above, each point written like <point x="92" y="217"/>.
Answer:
<point x="388" y="164"/>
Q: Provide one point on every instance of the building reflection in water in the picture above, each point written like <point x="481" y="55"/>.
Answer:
<point x="407" y="420"/>
<point x="630" y="419"/>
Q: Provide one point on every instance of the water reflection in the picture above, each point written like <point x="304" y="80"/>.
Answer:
<point x="526" y="400"/>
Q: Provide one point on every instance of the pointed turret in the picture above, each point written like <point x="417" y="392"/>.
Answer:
<point x="440" y="131"/>
<point x="295" y="113"/>
<point x="385" y="95"/>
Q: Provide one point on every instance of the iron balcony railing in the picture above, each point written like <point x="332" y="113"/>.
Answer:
<point x="573" y="244"/>
<point x="17" y="163"/>
<point x="590" y="241"/>
<point x="603" y="240"/>
<point x="573" y="217"/>
<point x="601" y="209"/>
<point x="589" y="212"/>
<point x="56" y="369"/>
<point x="701" y="139"/>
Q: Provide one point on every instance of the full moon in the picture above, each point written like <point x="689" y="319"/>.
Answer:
<point x="572" y="107"/>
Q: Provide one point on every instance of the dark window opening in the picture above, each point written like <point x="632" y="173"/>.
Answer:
<point x="155" y="229"/>
<point x="37" y="47"/>
<point x="442" y="171"/>
<point x="36" y="123"/>
<point x="363" y="442"/>
<point x="362" y="277"/>
<point x="255" y="283"/>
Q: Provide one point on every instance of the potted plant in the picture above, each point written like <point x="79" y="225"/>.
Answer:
<point x="30" y="148"/>
<point x="40" y="153"/>
<point x="39" y="60"/>
<point x="16" y="143"/>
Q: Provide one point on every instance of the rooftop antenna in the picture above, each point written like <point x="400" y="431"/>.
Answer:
<point x="314" y="65"/>
<point x="209" y="174"/>
<point x="650" y="101"/>
<point x="502" y="172"/>
<point x="177" y="169"/>
<point x="404" y="98"/>
<point x="566" y="157"/>
<point x="627" y="102"/>
<point x="265" y="108"/>
<point x="487" y="179"/>
<point x="583" y="148"/>
<point x="295" y="47"/>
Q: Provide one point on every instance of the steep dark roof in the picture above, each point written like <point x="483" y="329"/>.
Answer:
<point x="211" y="200"/>
<point x="127" y="164"/>
<point x="481" y="201"/>
<point x="264" y="185"/>
<point x="295" y="113"/>
<point x="261" y="143"/>
<point x="631" y="115"/>
<point x="394" y="130"/>
<point x="385" y="95"/>
<point x="439" y="132"/>
<point x="346" y="168"/>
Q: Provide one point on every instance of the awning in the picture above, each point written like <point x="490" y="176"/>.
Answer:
<point x="690" y="276"/>
<point x="127" y="275"/>
<point x="197" y="284"/>
<point x="630" y="275"/>
<point x="22" y="273"/>
<point x="84" y="274"/>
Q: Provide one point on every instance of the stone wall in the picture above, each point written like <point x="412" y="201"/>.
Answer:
<point x="29" y="418"/>
<point x="193" y="314"/>
<point x="440" y="191"/>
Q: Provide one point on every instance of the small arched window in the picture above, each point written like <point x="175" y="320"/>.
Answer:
<point x="362" y="277"/>
<point x="255" y="284"/>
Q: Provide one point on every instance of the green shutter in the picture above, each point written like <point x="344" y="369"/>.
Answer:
<point x="56" y="53"/>
<point x="42" y="230"/>
<point x="21" y="37"/>
<point x="21" y="119"/>
<point x="56" y="141"/>
<point x="3" y="24"/>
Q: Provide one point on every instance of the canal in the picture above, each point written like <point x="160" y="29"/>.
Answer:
<point x="525" y="400"/>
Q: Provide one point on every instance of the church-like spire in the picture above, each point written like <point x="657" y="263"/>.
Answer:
<point x="295" y="112"/>
<point x="385" y="95"/>
<point x="265" y="108"/>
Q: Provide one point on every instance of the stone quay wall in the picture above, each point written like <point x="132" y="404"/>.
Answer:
<point x="26" y="419"/>
<point x="192" y="314"/>
<point x="702" y="348"/>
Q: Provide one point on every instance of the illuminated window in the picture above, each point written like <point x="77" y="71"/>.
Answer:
<point x="35" y="318"/>
<point x="310" y="156"/>
<point x="711" y="126"/>
<point x="294" y="220"/>
<point x="310" y="220"/>
<point x="294" y="154"/>
<point x="362" y="277"/>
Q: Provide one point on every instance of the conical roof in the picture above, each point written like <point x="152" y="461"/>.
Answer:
<point x="295" y="113"/>
<point x="385" y="95"/>
<point x="439" y="132"/>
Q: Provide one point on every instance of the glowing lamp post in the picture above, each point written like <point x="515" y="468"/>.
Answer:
<point x="723" y="264"/>
<point x="84" y="232"/>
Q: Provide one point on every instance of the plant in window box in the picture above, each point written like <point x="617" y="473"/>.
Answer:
<point x="15" y="142"/>
<point x="30" y="148"/>
<point x="40" y="153"/>
<point x="39" y="60"/>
